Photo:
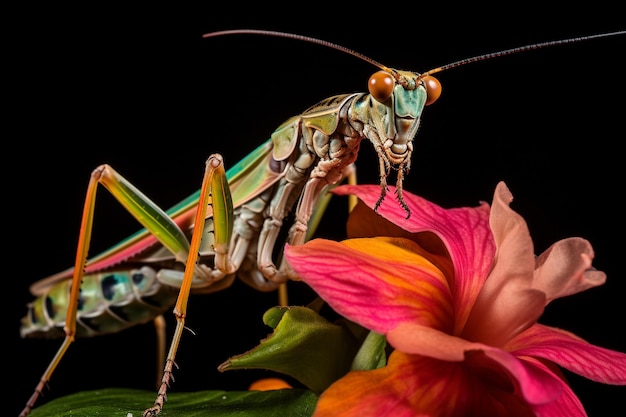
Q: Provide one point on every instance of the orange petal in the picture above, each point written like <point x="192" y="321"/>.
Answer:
<point x="413" y="385"/>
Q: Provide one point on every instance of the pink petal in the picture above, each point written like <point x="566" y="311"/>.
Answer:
<point x="507" y="304"/>
<point x="464" y="231"/>
<point x="571" y="352"/>
<point x="565" y="269"/>
<point x="536" y="386"/>
<point x="377" y="282"/>
<point x="566" y="404"/>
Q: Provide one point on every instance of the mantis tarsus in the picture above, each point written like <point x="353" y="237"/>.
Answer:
<point x="386" y="161"/>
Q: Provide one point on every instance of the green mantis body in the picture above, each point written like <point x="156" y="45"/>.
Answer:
<point x="304" y="156"/>
<point x="231" y="226"/>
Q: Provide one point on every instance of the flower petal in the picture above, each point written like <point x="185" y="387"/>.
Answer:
<point x="566" y="404"/>
<point x="571" y="352"/>
<point x="565" y="269"/>
<point x="413" y="385"/>
<point x="536" y="386"/>
<point x="364" y="222"/>
<point x="413" y="338"/>
<point x="464" y="232"/>
<point x="373" y="393"/>
<point x="507" y="303"/>
<point x="385" y="273"/>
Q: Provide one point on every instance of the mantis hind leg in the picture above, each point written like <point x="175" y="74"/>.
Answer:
<point x="216" y="194"/>
<point x="146" y="212"/>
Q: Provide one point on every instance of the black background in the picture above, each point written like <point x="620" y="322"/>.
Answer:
<point x="138" y="88"/>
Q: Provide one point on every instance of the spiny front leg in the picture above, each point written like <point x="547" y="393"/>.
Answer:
<point x="270" y="231"/>
<point x="326" y="173"/>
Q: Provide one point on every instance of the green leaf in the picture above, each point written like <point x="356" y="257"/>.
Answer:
<point x="304" y="345"/>
<point x="119" y="402"/>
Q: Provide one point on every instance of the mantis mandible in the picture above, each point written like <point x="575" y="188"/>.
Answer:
<point x="244" y="208"/>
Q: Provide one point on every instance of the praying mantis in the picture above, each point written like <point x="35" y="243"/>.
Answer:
<point x="258" y="168"/>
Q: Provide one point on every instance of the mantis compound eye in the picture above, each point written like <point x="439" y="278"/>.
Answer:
<point x="433" y="89"/>
<point x="381" y="86"/>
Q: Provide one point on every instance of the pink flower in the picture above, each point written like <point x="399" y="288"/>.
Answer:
<point x="457" y="292"/>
